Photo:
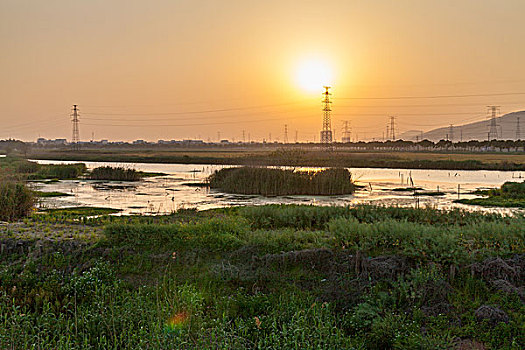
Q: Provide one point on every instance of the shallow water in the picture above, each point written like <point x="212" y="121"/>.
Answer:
<point x="165" y="194"/>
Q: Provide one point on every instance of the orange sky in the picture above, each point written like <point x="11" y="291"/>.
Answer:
<point x="148" y="69"/>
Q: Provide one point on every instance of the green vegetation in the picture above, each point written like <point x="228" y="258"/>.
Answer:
<point x="43" y="194"/>
<point x="16" y="200"/>
<point x="429" y="193"/>
<point x="22" y="169"/>
<point x="115" y="174"/>
<point x="276" y="277"/>
<point x="279" y="182"/>
<point x="510" y="194"/>
<point x="59" y="171"/>
<point x="407" y="189"/>
<point x="81" y="211"/>
<point x="298" y="155"/>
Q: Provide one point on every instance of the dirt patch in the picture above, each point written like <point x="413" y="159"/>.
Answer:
<point x="506" y="287"/>
<point x="381" y="267"/>
<point x="492" y="269"/>
<point x="320" y="259"/>
<point x="491" y="313"/>
<point x="469" y="344"/>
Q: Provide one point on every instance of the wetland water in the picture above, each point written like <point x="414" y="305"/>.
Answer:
<point x="164" y="194"/>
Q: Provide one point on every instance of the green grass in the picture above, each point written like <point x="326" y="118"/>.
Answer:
<point x="269" y="277"/>
<point x="279" y="182"/>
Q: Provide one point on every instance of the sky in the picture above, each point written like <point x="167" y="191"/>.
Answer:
<point x="176" y="69"/>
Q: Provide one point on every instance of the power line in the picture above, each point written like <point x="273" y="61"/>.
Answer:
<point x="197" y="124"/>
<point x="431" y="96"/>
<point x="205" y="111"/>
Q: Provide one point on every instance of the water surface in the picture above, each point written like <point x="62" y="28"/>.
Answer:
<point x="165" y="194"/>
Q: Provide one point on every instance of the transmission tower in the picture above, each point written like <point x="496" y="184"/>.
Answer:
<point x="493" y="132"/>
<point x="518" y="131"/>
<point x="296" y="134"/>
<point x="75" y="139"/>
<point x="285" y="140"/>
<point x="451" y="132"/>
<point x="326" y="133"/>
<point x="393" y="128"/>
<point x="243" y="136"/>
<point x="346" y="132"/>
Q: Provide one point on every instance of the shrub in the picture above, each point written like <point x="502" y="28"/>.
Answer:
<point x="16" y="201"/>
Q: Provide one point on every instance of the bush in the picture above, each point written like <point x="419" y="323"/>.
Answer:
<point x="16" y="201"/>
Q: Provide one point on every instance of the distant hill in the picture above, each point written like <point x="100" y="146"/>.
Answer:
<point x="474" y="131"/>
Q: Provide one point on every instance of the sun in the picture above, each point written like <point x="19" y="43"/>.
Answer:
<point x="312" y="75"/>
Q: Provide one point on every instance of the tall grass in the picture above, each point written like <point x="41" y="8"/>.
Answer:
<point x="114" y="174"/>
<point x="316" y="217"/>
<point x="16" y="200"/>
<point x="279" y="182"/>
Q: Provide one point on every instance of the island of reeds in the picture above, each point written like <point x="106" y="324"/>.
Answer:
<point x="115" y="174"/>
<point x="281" y="182"/>
<point x="510" y="194"/>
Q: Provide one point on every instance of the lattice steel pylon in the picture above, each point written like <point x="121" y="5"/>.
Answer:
<point x="493" y="131"/>
<point x="518" y="130"/>
<point x="346" y="132"/>
<point x="326" y="132"/>
<point x="75" y="139"/>
<point x="393" y="128"/>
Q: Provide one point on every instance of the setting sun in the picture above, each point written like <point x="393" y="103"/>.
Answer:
<point x="312" y="75"/>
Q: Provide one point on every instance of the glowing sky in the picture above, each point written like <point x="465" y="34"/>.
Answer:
<point x="173" y="69"/>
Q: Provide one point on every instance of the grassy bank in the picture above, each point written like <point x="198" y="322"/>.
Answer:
<point x="510" y="195"/>
<point x="271" y="156"/>
<point x="265" y="277"/>
<point x="279" y="182"/>
<point x="22" y="169"/>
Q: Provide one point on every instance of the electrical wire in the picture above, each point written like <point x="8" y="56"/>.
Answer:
<point x="432" y="96"/>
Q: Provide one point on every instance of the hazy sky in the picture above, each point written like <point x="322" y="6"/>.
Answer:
<point x="172" y="69"/>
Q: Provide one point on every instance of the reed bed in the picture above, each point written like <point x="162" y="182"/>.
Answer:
<point x="16" y="200"/>
<point x="115" y="174"/>
<point x="280" y="182"/>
